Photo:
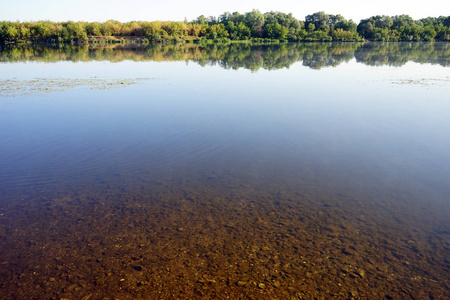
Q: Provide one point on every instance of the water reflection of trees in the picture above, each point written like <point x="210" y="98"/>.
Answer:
<point x="235" y="56"/>
<point x="398" y="54"/>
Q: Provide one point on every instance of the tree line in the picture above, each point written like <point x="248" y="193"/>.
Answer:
<point x="252" y="26"/>
<point x="239" y="55"/>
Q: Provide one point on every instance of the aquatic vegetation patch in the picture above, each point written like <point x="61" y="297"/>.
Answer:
<point x="423" y="81"/>
<point x="17" y="87"/>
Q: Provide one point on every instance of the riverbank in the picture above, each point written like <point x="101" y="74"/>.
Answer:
<point x="254" y="26"/>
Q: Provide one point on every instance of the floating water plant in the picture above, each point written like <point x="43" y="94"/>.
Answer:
<point x="16" y="87"/>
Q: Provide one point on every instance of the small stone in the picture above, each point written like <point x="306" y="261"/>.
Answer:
<point x="71" y="287"/>
<point x="52" y="279"/>
<point x="361" y="272"/>
<point x="277" y="284"/>
<point x="241" y="283"/>
<point x="261" y="285"/>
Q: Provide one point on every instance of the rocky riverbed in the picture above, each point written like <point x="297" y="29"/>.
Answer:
<point x="188" y="242"/>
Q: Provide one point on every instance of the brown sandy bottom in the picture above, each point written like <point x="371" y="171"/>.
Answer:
<point x="197" y="242"/>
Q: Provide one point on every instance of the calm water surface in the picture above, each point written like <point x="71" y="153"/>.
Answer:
<point x="264" y="173"/>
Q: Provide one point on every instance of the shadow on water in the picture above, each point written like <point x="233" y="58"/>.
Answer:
<point x="235" y="56"/>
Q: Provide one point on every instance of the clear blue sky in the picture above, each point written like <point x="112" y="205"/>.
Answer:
<point x="177" y="10"/>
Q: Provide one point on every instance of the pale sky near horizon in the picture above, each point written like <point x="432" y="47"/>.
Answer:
<point x="178" y="10"/>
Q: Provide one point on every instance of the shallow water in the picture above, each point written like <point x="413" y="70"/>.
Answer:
<point x="304" y="171"/>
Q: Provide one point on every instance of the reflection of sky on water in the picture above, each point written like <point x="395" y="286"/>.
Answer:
<point x="351" y="118"/>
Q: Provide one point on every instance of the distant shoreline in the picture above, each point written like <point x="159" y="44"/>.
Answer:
<point x="251" y="27"/>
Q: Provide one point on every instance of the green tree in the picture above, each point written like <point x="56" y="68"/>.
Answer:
<point x="428" y="33"/>
<point x="402" y="21"/>
<point x="319" y="20"/>
<point x="237" y="18"/>
<point x="76" y="31"/>
<point x="276" y="31"/>
<point x="41" y="31"/>
<point x="150" y="28"/>
<point x="201" y="20"/>
<point x="218" y="31"/>
<point x="93" y="29"/>
<point x="255" y="21"/>
<point x="174" y="28"/>
<point x="254" y="18"/>
<point x="371" y="28"/>
<point x="225" y="18"/>
<point x="239" y="31"/>
<point x="8" y="32"/>
<point x="410" y="33"/>
<point x="113" y="27"/>
<point x="335" y="21"/>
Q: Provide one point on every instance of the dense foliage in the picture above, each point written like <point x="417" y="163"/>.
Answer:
<point x="252" y="26"/>
<point x="404" y="28"/>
